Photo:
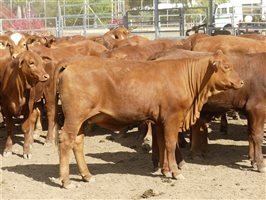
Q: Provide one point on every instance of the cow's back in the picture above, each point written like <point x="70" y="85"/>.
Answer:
<point x="229" y="44"/>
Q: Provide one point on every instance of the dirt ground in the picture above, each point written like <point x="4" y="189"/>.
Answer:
<point x="123" y="171"/>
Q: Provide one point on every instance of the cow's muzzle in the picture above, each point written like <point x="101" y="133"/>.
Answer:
<point x="44" y="78"/>
<point x="238" y="85"/>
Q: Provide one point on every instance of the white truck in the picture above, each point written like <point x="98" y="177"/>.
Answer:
<point x="241" y="14"/>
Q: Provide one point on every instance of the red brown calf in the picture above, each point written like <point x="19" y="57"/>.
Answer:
<point x="116" y="93"/>
<point x="19" y="78"/>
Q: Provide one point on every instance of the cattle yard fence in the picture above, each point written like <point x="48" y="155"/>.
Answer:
<point x="91" y="19"/>
<point x="174" y="21"/>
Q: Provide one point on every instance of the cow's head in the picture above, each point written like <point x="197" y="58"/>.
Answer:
<point x="224" y="76"/>
<point x="47" y="40"/>
<point x="31" y="66"/>
<point x="17" y="42"/>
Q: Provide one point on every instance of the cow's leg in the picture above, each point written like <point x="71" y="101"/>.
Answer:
<point x="199" y="138"/>
<point x="51" y="117"/>
<point x="256" y="118"/>
<point x="79" y="155"/>
<point x="155" y="147"/>
<point x="9" y="143"/>
<point x="38" y="125"/>
<point x="28" y="129"/>
<point x="178" y="156"/>
<point x="147" y="140"/>
<point x="171" y="127"/>
<point x="224" y="124"/>
<point x="163" y="162"/>
<point x="38" y="106"/>
<point x="67" y="139"/>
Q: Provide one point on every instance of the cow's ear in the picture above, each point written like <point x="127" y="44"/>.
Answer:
<point x="46" y="59"/>
<point x="219" y="53"/>
<point x="31" y="39"/>
<point x="214" y="63"/>
<point x="3" y="44"/>
<point x="3" y="41"/>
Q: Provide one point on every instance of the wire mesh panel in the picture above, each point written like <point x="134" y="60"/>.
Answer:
<point x="28" y="15"/>
<point x="29" y="25"/>
<point x="143" y="21"/>
<point x="173" y="21"/>
<point x="90" y="17"/>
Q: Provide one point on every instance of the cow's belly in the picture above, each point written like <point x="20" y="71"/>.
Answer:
<point x="111" y="122"/>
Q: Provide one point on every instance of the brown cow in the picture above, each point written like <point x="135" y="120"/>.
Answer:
<point x="131" y="41"/>
<point x="254" y="36"/>
<point x="80" y="48"/>
<point x="240" y="45"/>
<point x="116" y="93"/>
<point x="16" y="96"/>
<point x="110" y="38"/>
<point x="17" y="42"/>
<point x="250" y="100"/>
<point x="144" y="51"/>
<point x="190" y="41"/>
<point x="229" y="44"/>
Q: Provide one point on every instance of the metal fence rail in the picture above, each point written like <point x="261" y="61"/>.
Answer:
<point x="31" y="25"/>
<point x="87" y="20"/>
<point x="90" y="19"/>
<point x="177" y="20"/>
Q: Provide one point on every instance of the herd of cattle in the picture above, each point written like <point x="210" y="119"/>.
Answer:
<point x="116" y="80"/>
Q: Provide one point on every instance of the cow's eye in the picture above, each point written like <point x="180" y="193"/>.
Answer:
<point x="226" y="66"/>
<point x="31" y="63"/>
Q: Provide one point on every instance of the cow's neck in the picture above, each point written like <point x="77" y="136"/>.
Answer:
<point x="198" y="78"/>
<point x="16" y="90"/>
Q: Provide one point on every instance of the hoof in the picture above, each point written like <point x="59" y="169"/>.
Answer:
<point x="181" y="164"/>
<point x="166" y="173"/>
<point x="36" y="135"/>
<point x="90" y="179"/>
<point x="253" y="164"/>
<point x="48" y="143"/>
<point x="156" y="171"/>
<point x="7" y="153"/>
<point x="69" y="185"/>
<point x="146" y="147"/>
<point x="178" y="177"/>
<point x="262" y="170"/>
<point x="27" y="156"/>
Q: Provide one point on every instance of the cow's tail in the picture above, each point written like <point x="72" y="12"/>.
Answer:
<point x="60" y="67"/>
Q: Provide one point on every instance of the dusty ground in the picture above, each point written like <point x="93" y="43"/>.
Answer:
<point x="123" y="171"/>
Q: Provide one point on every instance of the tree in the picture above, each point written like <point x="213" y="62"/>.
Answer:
<point x="205" y="3"/>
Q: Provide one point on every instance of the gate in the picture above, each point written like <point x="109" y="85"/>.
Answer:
<point x="173" y="22"/>
<point x="90" y="18"/>
<point x="40" y="24"/>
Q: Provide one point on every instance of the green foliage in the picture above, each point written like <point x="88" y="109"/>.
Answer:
<point x="187" y="3"/>
<point x="207" y="2"/>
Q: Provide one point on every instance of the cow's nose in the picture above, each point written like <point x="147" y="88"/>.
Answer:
<point x="46" y="77"/>
<point x="14" y="56"/>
